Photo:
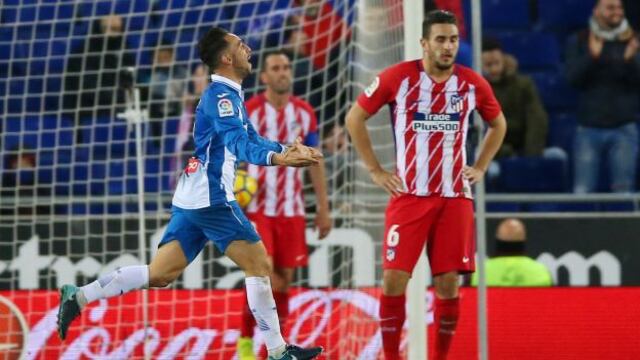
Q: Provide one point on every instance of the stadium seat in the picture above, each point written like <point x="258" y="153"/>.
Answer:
<point x="59" y="47"/>
<point x="503" y="207"/>
<point x="556" y="93"/>
<point x="27" y="13"/>
<point x="533" y="174"/>
<point x="562" y="207"/>
<point x="566" y="15"/>
<point x="505" y="14"/>
<point x="212" y="15"/>
<point x="43" y="31"/>
<point x="131" y="7"/>
<point x="8" y="15"/>
<point x="64" y="11"/>
<point x="534" y="51"/>
<point x="562" y="129"/>
<point x="6" y="35"/>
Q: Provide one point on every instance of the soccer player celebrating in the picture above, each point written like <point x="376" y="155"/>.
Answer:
<point x="278" y="209"/>
<point x="430" y="100"/>
<point x="204" y="208"/>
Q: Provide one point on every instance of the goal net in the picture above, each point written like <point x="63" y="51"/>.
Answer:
<point x="70" y="192"/>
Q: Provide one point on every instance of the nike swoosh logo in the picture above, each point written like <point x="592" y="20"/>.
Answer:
<point x="465" y="259"/>
<point x="222" y="95"/>
<point x="300" y="257"/>
<point x="8" y="346"/>
<point x="386" y="319"/>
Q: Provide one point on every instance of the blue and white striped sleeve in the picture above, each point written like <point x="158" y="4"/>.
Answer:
<point x="254" y="136"/>
<point x="228" y="125"/>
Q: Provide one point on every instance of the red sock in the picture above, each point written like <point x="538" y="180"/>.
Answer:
<point x="446" y="320"/>
<point x="282" y="305"/>
<point x="392" y="316"/>
<point x="248" y="321"/>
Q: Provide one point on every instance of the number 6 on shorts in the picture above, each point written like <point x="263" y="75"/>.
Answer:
<point x="393" y="237"/>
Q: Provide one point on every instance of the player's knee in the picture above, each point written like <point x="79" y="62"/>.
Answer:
<point x="258" y="267"/>
<point x="394" y="282"/>
<point x="446" y="285"/>
<point x="163" y="278"/>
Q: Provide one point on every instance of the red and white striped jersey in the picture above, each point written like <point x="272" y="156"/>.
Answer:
<point x="430" y="122"/>
<point x="279" y="187"/>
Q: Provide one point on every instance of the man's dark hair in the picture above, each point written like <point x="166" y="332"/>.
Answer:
<point x="263" y="63"/>
<point x="490" y="44"/>
<point x="211" y="46"/>
<point x="437" y="17"/>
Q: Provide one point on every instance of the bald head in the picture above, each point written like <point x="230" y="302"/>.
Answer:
<point x="511" y="230"/>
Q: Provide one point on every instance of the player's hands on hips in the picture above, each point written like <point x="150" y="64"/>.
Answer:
<point x="297" y="155"/>
<point x="323" y="223"/>
<point x="390" y="182"/>
<point x="472" y="174"/>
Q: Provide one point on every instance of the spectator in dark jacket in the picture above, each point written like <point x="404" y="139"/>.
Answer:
<point x="603" y="64"/>
<point x="94" y="72"/>
<point x="526" y="117"/>
<point x="518" y="96"/>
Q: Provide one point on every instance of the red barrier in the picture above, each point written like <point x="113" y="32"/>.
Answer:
<point x="561" y="323"/>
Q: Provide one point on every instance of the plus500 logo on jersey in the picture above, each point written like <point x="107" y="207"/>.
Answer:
<point x="436" y="122"/>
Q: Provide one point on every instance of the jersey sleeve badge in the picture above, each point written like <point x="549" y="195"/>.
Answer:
<point x="372" y="87"/>
<point x="225" y="108"/>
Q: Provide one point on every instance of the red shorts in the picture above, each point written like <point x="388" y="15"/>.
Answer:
<point x="446" y="225"/>
<point x="284" y="238"/>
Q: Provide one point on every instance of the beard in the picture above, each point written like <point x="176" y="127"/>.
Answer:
<point x="281" y="88"/>
<point x="242" y="66"/>
<point x="243" y="70"/>
<point x="443" y="66"/>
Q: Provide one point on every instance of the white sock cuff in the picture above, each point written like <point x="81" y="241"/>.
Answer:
<point x="92" y="292"/>
<point x="144" y="269"/>
<point x="257" y="280"/>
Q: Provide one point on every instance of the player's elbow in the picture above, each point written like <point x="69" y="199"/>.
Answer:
<point x="499" y="124"/>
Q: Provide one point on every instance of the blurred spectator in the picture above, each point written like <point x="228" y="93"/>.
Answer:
<point x="19" y="184"/>
<point x="314" y="34"/>
<point x="510" y="266"/>
<point x="323" y="28"/>
<point x="518" y="96"/>
<point x="93" y="77"/>
<point x="307" y="82"/>
<point x="603" y="64"/>
<point x="167" y="86"/>
<point x="526" y="118"/>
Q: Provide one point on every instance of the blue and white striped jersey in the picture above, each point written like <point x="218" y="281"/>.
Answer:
<point x="223" y="136"/>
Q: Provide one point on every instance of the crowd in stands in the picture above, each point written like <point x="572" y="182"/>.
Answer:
<point x="572" y="118"/>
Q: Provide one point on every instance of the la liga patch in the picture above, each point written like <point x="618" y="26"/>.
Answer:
<point x="372" y="87"/>
<point x="225" y="107"/>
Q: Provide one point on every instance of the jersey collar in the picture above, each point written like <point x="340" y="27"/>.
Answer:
<point x="234" y="85"/>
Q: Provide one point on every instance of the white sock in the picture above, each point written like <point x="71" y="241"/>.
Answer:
<point x="115" y="283"/>
<point x="263" y="307"/>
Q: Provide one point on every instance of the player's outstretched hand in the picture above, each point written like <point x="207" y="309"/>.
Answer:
<point x="298" y="155"/>
<point x="390" y="182"/>
<point x="472" y="174"/>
